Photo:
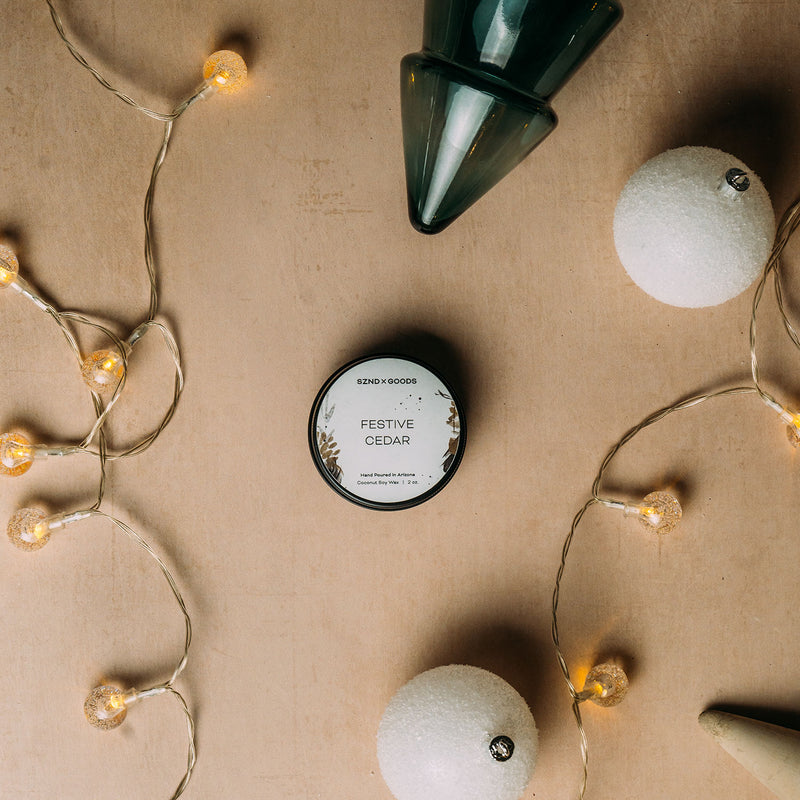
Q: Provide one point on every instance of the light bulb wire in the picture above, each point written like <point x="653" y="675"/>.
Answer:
<point x="172" y="346"/>
<point x="102" y="411"/>
<point x="597" y="499"/>
<point x="166" y="686"/>
<point x="78" y="56"/>
<point x="562" y="662"/>
<point x="149" y="251"/>
<point x="141" y="542"/>
<point x="652" y="419"/>
<point x="168" y="120"/>
<point x="62" y="318"/>
<point x="174" y="353"/>
<point x="788" y="225"/>
<point x="149" y="256"/>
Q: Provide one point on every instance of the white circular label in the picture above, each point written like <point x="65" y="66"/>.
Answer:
<point x="387" y="430"/>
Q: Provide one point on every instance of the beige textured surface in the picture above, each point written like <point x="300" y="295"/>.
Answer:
<point x="284" y="251"/>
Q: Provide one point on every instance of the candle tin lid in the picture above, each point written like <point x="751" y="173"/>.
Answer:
<point x="387" y="432"/>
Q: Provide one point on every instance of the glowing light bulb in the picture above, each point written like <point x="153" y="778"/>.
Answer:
<point x="9" y="266"/>
<point x="225" y="71"/>
<point x="659" y="512"/>
<point x="16" y="454"/>
<point x="28" y="529"/>
<point x="793" y="431"/>
<point x="103" y="370"/>
<point x="791" y="419"/>
<point x="107" y="706"/>
<point x="606" y="685"/>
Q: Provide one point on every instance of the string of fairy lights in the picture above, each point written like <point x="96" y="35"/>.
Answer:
<point x="105" y="373"/>
<point x="660" y="511"/>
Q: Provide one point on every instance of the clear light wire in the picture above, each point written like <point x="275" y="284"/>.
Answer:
<point x="76" y="54"/>
<point x="562" y="663"/>
<point x="97" y="433"/>
<point x="596" y="499"/>
<point x="652" y="419"/>
<point x="174" y="352"/>
<point x="101" y="411"/>
<point x="167" y="119"/>
<point x="166" y="686"/>
<point x="149" y="256"/>
<point x="131" y="533"/>
<point x="787" y="226"/>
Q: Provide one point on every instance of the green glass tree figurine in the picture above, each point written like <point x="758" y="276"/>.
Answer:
<point x="475" y="100"/>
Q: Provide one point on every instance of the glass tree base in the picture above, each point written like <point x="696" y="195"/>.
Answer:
<point x="462" y="133"/>
<point x="475" y="100"/>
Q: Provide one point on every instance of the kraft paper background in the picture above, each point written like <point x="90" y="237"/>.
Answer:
<point x="284" y="251"/>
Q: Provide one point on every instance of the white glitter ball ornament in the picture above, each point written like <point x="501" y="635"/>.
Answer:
<point x="694" y="227"/>
<point x="457" y="733"/>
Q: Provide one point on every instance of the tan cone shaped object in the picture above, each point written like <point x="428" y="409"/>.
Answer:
<point x="768" y="752"/>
